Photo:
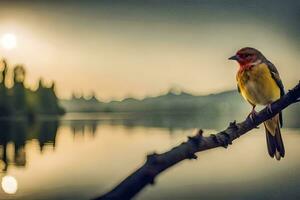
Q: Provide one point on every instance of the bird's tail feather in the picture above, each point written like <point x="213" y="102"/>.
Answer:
<point x="274" y="139"/>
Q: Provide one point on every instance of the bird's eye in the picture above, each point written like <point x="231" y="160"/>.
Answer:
<point x="247" y="55"/>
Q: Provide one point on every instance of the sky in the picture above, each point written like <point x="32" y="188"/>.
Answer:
<point x="140" y="48"/>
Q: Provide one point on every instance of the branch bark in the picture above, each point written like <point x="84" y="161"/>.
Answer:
<point x="157" y="163"/>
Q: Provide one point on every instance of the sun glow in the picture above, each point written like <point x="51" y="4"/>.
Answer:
<point x="9" y="41"/>
<point x="9" y="184"/>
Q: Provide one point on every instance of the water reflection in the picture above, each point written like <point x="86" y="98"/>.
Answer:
<point x="169" y="120"/>
<point x="79" y="157"/>
<point x="14" y="135"/>
<point x="83" y="126"/>
<point x="9" y="184"/>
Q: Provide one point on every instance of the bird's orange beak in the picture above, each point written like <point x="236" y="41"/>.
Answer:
<point x="233" y="58"/>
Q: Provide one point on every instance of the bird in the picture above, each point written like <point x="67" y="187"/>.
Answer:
<point x="259" y="83"/>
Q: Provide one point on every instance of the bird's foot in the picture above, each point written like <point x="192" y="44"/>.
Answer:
<point x="252" y="116"/>
<point x="269" y="109"/>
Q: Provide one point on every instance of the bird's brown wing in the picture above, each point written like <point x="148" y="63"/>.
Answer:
<point x="276" y="77"/>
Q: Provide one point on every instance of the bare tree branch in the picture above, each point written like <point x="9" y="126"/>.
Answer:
<point x="157" y="163"/>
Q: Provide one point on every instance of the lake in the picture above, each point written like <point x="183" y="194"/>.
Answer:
<point x="84" y="155"/>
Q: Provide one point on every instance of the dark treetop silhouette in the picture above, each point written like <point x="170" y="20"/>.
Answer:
<point x="21" y="102"/>
<point x="157" y="163"/>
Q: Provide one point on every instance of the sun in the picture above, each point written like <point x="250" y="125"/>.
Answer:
<point x="9" y="41"/>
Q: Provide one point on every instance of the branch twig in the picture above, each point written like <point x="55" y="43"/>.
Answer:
<point x="157" y="163"/>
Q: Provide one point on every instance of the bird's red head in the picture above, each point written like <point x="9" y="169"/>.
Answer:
<point x="247" y="56"/>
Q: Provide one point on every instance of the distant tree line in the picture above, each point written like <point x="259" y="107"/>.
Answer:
<point x="18" y="101"/>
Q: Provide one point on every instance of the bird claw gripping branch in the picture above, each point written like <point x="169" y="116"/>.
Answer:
<point x="252" y="117"/>
<point x="269" y="109"/>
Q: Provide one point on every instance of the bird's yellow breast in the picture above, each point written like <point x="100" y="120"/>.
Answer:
<point x="257" y="85"/>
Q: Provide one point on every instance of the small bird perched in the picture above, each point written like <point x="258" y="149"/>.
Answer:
<point x="259" y="83"/>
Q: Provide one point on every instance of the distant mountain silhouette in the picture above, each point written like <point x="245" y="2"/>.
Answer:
<point x="222" y="106"/>
<point x="169" y="101"/>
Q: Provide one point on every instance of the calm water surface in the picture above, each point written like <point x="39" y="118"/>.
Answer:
<point x="80" y="159"/>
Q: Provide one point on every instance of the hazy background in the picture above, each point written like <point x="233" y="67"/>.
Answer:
<point x="138" y="48"/>
<point x="171" y="55"/>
